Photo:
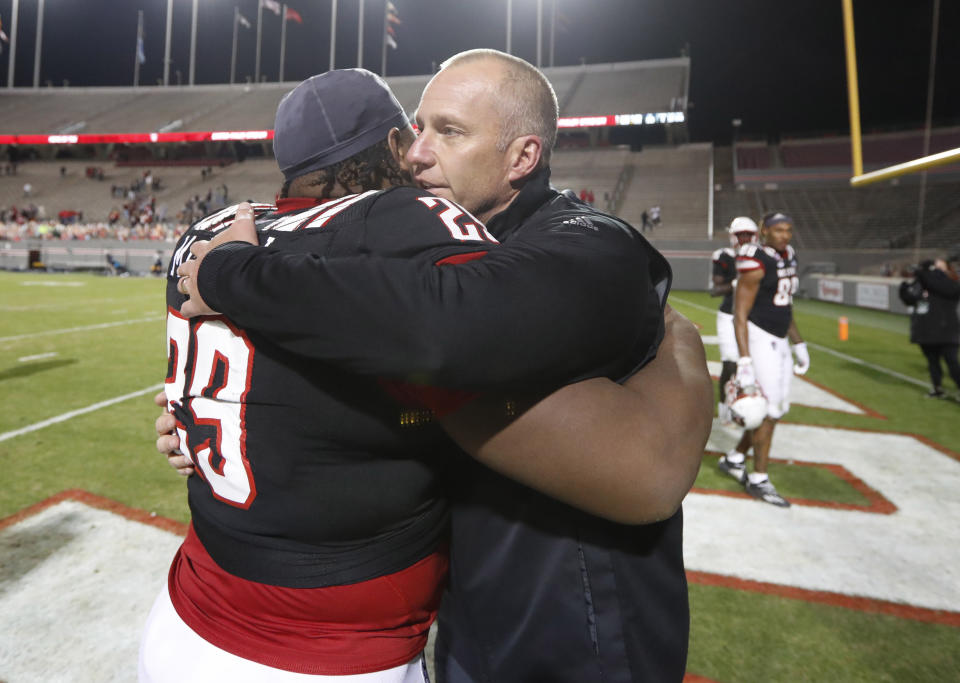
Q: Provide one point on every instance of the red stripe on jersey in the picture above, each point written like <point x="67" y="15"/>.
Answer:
<point x="334" y="631"/>
<point x="288" y="204"/>
<point x="460" y="258"/>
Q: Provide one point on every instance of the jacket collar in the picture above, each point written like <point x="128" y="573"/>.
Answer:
<point x="534" y="194"/>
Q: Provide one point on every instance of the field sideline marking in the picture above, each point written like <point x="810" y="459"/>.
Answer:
<point x="67" y="330"/>
<point x="832" y="352"/>
<point x="74" y="413"/>
<point x="39" y="356"/>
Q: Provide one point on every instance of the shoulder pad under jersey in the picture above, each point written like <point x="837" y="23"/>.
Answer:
<point x="220" y="220"/>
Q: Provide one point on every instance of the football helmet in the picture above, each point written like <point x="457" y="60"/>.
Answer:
<point x="748" y="405"/>
<point x="741" y="225"/>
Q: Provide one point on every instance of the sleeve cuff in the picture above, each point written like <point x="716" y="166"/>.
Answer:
<point x="209" y="271"/>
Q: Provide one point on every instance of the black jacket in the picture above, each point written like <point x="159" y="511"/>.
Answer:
<point x="934" y="319"/>
<point x="539" y="591"/>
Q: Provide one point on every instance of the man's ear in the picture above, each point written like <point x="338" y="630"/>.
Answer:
<point x="399" y="146"/>
<point x="525" y="154"/>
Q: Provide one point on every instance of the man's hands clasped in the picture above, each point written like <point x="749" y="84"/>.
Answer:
<point x="242" y="230"/>
<point x="168" y="443"/>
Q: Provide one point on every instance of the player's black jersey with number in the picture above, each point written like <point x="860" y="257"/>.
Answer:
<point x="309" y="476"/>
<point x="725" y="266"/>
<point x="773" y="308"/>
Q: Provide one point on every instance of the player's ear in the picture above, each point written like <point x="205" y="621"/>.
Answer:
<point x="399" y="145"/>
<point x="524" y="153"/>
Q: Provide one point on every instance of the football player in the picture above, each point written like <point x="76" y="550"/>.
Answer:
<point x="766" y="332"/>
<point x="742" y="231"/>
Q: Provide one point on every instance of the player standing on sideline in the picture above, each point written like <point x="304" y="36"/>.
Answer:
<point x="742" y="231"/>
<point x="763" y="321"/>
<point x="539" y="591"/>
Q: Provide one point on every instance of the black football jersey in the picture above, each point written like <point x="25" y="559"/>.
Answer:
<point x="725" y="265"/>
<point x="308" y="475"/>
<point x="773" y="308"/>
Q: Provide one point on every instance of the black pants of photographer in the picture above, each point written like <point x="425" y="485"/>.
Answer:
<point x="948" y="352"/>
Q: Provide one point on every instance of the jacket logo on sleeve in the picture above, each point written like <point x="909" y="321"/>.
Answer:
<point x="581" y="222"/>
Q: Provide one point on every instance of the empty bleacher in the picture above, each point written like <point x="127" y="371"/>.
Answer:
<point x="872" y="217"/>
<point x="592" y="169"/>
<point x="879" y="149"/>
<point x="620" y="88"/>
<point x="678" y="180"/>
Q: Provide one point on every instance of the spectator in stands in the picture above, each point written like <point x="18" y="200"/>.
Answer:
<point x="27" y="189"/>
<point x="645" y="223"/>
<point x="933" y="295"/>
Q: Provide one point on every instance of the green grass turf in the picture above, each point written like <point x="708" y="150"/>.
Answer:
<point x="744" y="636"/>
<point x="736" y="636"/>
<point x="108" y="452"/>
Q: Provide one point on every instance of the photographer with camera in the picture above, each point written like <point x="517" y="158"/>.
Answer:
<point x="933" y="294"/>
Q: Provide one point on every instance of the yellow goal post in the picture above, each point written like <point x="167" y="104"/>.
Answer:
<point x="860" y="178"/>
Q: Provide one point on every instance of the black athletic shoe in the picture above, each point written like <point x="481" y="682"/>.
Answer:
<point x="737" y="470"/>
<point x="936" y="393"/>
<point x="767" y="493"/>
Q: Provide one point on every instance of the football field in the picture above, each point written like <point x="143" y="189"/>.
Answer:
<point x="858" y="581"/>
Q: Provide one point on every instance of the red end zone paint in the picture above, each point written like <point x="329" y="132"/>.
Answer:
<point x="101" y="503"/>
<point x="894" y="609"/>
<point x="878" y="503"/>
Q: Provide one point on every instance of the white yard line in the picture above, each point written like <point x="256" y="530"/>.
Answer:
<point x="39" y="356"/>
<point x="84" y="328"/>
<point x="826" y="349"/>
<point x="75" y="413"/>
<point x="73" y="305"/>
<point x="878" y="368"/>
